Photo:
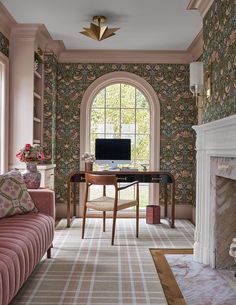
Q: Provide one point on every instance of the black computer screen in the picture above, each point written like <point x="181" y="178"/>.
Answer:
<point x="113" y="149"/>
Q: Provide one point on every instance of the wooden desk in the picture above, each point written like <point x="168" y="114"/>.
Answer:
<point x="161" y="177"/>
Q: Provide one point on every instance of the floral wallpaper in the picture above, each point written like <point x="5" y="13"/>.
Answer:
<point x="219" y="58"/>
<point x="4" y="45"/>
<point x="49" y="107"/>
<point x="178" y="114"/>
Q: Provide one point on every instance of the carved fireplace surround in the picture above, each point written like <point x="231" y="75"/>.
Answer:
<point x="216" y="156"/>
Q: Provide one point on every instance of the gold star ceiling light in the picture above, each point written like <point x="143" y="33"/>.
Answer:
<point x="97" y="31"/>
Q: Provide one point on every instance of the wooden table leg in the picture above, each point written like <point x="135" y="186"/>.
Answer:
<point x="165" y="199"/>
<point x="68" y="203"/>
<point x="74" y="199"/>
<point x="173" y="205"/>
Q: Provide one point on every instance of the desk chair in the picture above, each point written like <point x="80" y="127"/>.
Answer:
<point x="105" y="203"/>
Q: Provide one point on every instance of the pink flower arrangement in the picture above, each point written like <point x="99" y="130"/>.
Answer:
<point x="31" y="153"/>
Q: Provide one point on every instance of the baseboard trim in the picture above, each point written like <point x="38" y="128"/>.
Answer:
<point x="182" y="211"/>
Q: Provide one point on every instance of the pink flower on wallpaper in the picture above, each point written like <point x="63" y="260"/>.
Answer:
<point x="177" y="97"/>
<point x="215" y="56"/>
<point x="187" y="94"/>
<point x="161" y="97"/>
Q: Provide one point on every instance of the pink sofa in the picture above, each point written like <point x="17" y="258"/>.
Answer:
<point x="24" y="239"/>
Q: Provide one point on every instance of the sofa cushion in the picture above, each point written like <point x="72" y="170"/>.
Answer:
<point x="23" y="241"/>
<point x="14" y="197"/>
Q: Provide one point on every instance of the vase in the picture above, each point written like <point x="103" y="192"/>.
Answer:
<point x="32" y="176"/>
<point x="88" y="166"/>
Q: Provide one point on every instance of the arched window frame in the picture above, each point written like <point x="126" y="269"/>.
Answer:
<point x="151" y="96"/>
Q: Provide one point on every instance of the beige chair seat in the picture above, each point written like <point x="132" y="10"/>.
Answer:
<point x="107" y="204"/>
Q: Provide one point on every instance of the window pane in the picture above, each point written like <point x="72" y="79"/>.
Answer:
<point x="142" y="121"/>
<point x="141" y="101"/>
<point x="142" y="147"/>
<point x="113" y="120"/>
<point x="127" y="96"/>
<point x="112" y="135"/>
<point x="127" y="193"/>
<point x="143" y="195"/>
<point x="99" y="101"/>
<point x="97" y="121"/>
<point x="141" y="164"/>
<point x="113" y="96"/>
<point x="94" y="136"/>
<point x="128" y="121"/>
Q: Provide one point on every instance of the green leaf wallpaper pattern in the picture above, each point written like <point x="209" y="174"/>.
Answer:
<point x="4" y="45"/>
<point x="219" y="58"/>
<point x="49" y="107"/>
<point x="178" y="114"/>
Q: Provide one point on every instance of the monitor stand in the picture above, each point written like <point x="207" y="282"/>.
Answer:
<point x="114" y="168"/>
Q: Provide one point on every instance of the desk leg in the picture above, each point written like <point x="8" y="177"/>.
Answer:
<point x="68" y="204"/>
<point x="74" y="199"/>
<point x="173" y="205"/>
<point x="165" y="199"/>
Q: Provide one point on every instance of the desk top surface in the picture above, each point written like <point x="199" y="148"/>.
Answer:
<point x="124" y="173"/>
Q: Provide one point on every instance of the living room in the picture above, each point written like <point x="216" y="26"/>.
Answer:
<point x="60" y="89"/>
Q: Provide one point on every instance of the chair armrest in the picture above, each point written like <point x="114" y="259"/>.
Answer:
<point x="44" y="200"/>
<point x="127" y="185"/>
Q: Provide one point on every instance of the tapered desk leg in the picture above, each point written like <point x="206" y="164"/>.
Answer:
<point x="173" y="205"/>
<point x="165" y="199"/>
<point x="68" y="203"/>
<point x="74" y="199"/>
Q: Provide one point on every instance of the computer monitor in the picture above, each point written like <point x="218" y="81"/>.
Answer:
<point x="113" y="152"/>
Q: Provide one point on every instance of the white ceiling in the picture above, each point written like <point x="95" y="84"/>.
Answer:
<point x="144" y="24"/>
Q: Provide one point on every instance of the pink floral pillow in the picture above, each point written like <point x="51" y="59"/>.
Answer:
<point x="14" y="197"/>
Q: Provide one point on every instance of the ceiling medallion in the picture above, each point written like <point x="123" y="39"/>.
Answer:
<point x="97" y="31"/>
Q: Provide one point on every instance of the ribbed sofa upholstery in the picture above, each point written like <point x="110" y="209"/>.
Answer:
<point x="24" y="239"/>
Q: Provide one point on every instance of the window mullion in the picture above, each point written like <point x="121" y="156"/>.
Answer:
<point x="120" y="110"/>
<point x="105" y="112"/>
<point x="135" y="126"/>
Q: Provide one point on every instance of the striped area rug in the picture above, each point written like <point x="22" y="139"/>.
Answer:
<point x="92" y="272"/>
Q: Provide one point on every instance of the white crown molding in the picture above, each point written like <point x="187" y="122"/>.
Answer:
<point x="6" y="21"/>
<point x="25" y="32"/>
<point x="196" y="47"/>
<point x="55" y="46"/>
<point x="39" y="34"/>
<point x="201" y="5"/>
<point x="43" y="37"/>
<point x="88" y="56"/>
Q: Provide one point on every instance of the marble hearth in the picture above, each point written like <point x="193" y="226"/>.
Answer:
<point x="215" y="192"/>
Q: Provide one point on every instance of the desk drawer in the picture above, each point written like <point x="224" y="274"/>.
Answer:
<point x="146" y="178"/>
<point x="126" y="178"/>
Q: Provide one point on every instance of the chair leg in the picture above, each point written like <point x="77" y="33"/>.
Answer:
<point x="104" y="221"/>
<point x="84" y="219"/>
<point x="113" y="227"/>
<point x="137" y="220"/>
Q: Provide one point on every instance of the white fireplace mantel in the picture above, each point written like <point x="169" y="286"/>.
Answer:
<point x="214" y="139"/>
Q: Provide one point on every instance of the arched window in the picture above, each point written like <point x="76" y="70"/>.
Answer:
<point x="122" y="111"/>
<point x="122" y="104"/>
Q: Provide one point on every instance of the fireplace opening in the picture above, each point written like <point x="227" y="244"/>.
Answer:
<point x="225" y="221"/>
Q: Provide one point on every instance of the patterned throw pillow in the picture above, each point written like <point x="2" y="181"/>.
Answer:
<point x="14" y="197"/>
